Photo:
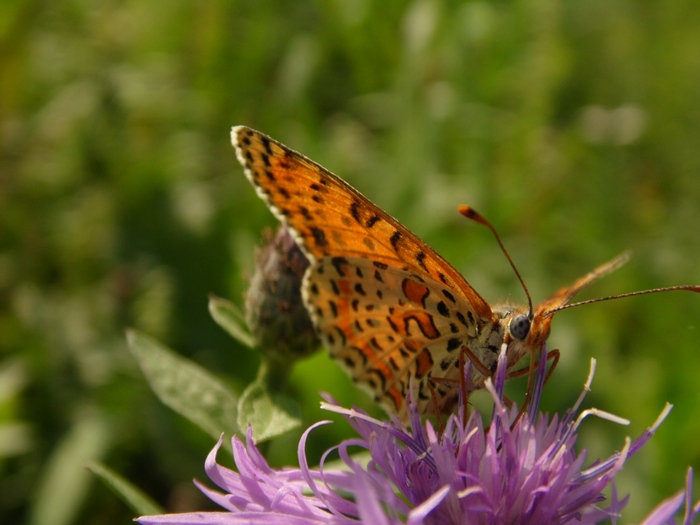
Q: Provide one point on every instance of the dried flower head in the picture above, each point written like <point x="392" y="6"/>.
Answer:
<point x="275" y="312"/>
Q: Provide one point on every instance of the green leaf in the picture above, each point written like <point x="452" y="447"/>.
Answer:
<point x="186" y="387"/>
<point x="64" y="484"/>
<point x="230" y="317"/>
<point x="270" y="414"/>
<point x="129" y="493"/>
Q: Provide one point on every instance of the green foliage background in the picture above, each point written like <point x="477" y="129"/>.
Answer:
<point x="573" y="126"/>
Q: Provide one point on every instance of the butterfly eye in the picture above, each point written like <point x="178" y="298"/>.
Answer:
<point x="519" y="326"/>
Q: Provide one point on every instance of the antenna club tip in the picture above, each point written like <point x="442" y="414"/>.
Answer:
<point x="471" y="213"/>
<point x="466" y="210"/>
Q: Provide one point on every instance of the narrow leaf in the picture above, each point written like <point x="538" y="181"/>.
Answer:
<point x="129" y="493"/>
<point x="64" y="485"/>
<point x="229" y="317"/>
<point x="186" y="387"/>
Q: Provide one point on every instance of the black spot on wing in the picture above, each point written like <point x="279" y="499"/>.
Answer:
<point x="360" y="353"/>
<point x="453" y="344"/>
<point x="461" y="319"/>
<point x="355" y="211"/>
<point x="394" y="240"/>
<point x="334" y="308"/>
<point x="392" y="325"/>
<point x="420" y="259"/>
<point x="443" y="309"/>
<point x="340" y="334"/>
<point x="449" y="296"/>
<point x="394" y="364"/>
<point x="376" y="380"/>
<point x="305" y="213"/>
<point x="266" y="144"/>
<point x="432" y="331"/>
<point x="338" y="263"/>
<point x="372" y="221"/>
<point x="319" y="236"/>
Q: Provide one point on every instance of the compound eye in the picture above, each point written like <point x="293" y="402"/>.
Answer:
<point x="519" y="326"/>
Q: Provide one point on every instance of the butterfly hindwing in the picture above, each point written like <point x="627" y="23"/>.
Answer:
<point x="385" y="325"/>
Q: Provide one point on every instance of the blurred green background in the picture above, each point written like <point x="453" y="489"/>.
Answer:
<point x="573" y="126"/>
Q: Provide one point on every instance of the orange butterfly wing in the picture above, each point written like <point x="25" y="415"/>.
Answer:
<point x="420" y="301"/>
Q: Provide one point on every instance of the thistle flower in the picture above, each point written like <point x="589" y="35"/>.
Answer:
<point x="664" y="511"/>
<point x="516" y="471"/>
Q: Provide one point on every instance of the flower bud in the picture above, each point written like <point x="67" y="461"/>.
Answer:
<point x="275" y="312"/>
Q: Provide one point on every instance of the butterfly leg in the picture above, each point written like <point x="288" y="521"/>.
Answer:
<point x="436" y="406"/>
<point x="483" y="369"/>
<point x="465" y="354"/>
<point x="553" y="356"/>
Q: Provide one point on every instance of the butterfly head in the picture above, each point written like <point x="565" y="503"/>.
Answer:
<point x="523" y="331"/>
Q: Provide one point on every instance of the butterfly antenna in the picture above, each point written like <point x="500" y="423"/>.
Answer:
<point x="471" y="213"/>
<point x="688" y="287"/>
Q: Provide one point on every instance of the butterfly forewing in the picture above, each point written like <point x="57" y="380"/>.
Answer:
<point x="330" y="218"/>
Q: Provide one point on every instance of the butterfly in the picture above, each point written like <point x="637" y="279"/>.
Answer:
<point x="390" y="309"/>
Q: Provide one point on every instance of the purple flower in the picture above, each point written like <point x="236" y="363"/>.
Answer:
<point x="664" y="511"/>
<point x="518" y="470"/>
